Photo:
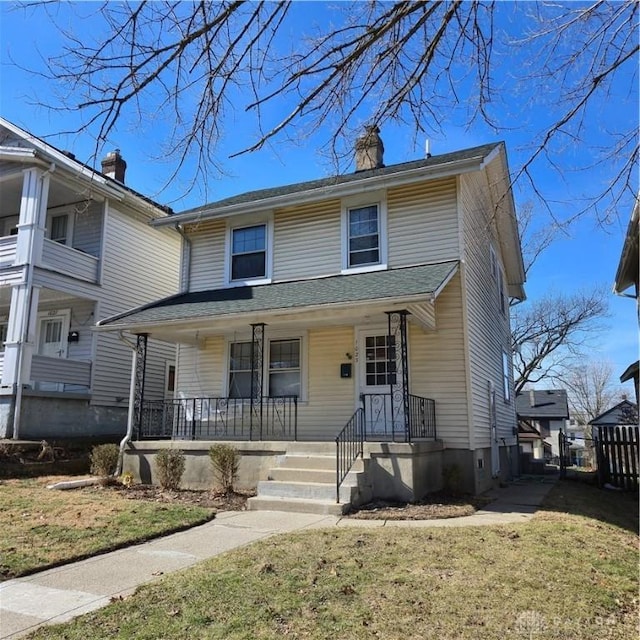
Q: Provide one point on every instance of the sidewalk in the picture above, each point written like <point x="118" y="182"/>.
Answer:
<point x="60" y="594"/>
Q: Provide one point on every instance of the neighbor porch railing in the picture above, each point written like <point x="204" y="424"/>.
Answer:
<point x="220" y="419"/>
<point x="386" y="417"/>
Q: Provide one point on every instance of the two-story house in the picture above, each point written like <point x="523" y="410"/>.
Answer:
<point x="374" y="303"/>
<point x="75" y="245"/>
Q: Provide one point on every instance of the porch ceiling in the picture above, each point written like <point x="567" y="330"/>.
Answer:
<point x="334" y="299"/>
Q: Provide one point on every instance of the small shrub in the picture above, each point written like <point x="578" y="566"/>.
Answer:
<point x="127" y="479"/>
<point x="104" y="460"/>
<point x="225" y="461"/>
<point x="170" y="465"/>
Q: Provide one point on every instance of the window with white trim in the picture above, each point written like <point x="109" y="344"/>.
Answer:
<point x="506" y="378"/>
<point x="249" y="252"/>
<point x="364" y="241"/>
<point x="239" y="370"/>
<point x="502" y="294"/>
<point x="282" y="365"/>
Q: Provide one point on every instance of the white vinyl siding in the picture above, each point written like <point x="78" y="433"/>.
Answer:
<point x="140" y="265"/>
<point x="199" y="369"/>
<point x="437" y="366"/>
<point x="423" y="223"/>
<point x="207" y="255"/>
<point x="307" y="241"/>
<point x="87" y="230"/>
<point x="488" y="326"/>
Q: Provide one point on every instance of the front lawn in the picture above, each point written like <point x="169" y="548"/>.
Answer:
<point x="570" y="572"/>
<point x="41" y="527"/>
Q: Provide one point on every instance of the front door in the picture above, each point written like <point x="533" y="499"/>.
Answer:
<point x="384" y="413"/>
<point x="53" y="329"/>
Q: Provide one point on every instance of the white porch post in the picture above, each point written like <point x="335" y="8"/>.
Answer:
<point x="21" y="328"/>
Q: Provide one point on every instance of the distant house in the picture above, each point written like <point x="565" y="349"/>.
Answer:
<point x="624" y="413"/>
<point x="542" y="414"/>
<point x="75" y="245"/>
<point x="627" y="277"/>
<point x="372" y="305"/>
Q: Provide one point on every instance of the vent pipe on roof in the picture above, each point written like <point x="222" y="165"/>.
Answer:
<point x="369" y="150"/>
<point x="532" y="398"/>
<point x="114" y="166"/>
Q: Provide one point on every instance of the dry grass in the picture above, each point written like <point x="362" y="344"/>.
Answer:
<point x="564" y="574"/>
<point x="42" y="528"/>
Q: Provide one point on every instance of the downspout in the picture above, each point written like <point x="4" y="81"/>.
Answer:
<point x="26" y="317"/>
<point x="132" y="396"/>
<point x="186" y="260"/>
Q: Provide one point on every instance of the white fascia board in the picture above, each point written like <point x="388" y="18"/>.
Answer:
<point x="330" y="191"/>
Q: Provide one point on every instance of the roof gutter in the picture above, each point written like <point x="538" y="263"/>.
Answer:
<point x="322" y="193"/>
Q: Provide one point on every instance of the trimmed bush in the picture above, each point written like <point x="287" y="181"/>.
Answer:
<point x="225" y="461"/>
<point x="170" y="466"/>
<point x="104" y="460"/>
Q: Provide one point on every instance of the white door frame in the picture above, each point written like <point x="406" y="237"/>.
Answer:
<point x="65" y="315"/>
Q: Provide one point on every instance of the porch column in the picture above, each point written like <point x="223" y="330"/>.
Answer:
<point x="139" y="373"/>
<point x="399" y="371"/>
<point x="257" y="360"/>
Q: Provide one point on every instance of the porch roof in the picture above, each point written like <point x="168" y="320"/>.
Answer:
<point x="409" y="284"/>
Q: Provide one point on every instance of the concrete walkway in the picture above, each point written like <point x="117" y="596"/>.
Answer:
<point x="60" y="594"/>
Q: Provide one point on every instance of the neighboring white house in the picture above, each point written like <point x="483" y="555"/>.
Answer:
<point x="75" y="245"/>
<point x="380" y="295"/>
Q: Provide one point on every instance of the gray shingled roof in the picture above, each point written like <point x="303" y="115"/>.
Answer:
<point x="547" y="403"/>
<point x="264" y="194"/>
<point x="298" y="294"/>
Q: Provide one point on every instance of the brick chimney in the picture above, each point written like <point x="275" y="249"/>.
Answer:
<point x="114" y="166"/>
<point x="369" y="150"/>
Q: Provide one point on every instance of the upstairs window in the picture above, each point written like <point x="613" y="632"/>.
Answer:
<point x="364" y="229"/>
<point x="59" y="229"/>
<point x="364" y="236"/>
<point x="249" y="252"/>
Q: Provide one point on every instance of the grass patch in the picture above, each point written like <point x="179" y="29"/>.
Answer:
<point x="560" y="575"/>
<point x="42" y="528"/>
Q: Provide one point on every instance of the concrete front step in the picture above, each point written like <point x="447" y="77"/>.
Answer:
<point x="305" y="490"/>
<point x="311" y="448"/>
<point x="327" y="463"/>
<point x="275" y="503"/>
<point x="284" y="474"/>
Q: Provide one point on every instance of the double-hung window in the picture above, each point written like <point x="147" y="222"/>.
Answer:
<point x="364" y="234"/>
<point x="282" y="368"/>
<point x="249" y="252"/>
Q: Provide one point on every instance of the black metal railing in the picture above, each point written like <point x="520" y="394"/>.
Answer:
<point x="349" y="447"/>
<point x="388" y="417"/>
<point x="270" y="418"/>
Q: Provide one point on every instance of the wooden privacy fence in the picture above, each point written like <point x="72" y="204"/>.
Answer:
<point x="617" y="450"/>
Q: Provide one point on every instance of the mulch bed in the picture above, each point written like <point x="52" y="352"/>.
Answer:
<point x="235" y="501"/>
<point x="435" y="506"/>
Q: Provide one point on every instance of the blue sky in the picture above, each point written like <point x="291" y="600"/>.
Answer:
<point x="585" y="254"/>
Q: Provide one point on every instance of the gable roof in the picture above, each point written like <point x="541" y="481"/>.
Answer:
<point x="340" y="185"/>
<point x="35" y="150"/>
<point x="343" y="290"/>
<point x="546" y="403"/>
<point x="625" y="412"/>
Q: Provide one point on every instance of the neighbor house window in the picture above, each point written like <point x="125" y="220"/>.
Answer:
<point x="502" y="294"/>
<point x="240" y="370"/>
<point x="506" y="378"/>
<point x="3" y="334"/>
<point x="284" y="367"/>
<point x="249" y="252"/>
